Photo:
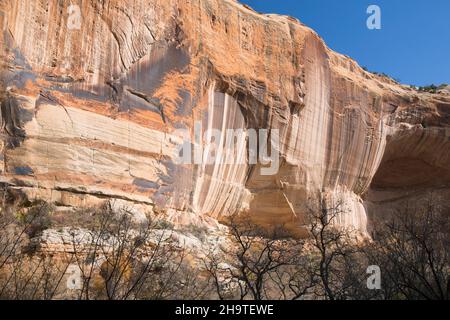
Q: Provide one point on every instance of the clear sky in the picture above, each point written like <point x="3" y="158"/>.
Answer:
<point x="412" y="46"/>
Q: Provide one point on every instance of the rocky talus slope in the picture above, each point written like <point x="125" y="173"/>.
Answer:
<point x="89" y="114"/>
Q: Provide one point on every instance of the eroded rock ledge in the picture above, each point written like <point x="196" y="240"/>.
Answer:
<point x="89" y="114"/>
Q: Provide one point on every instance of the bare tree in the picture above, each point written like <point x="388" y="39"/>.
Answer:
<point x="411" y="248"/>
<point x="330" y="245"/>
<point x="333" y="264"/>
<point x="26" y="273"/>
<point x="120" y="259"/>
<point x="296" y="281"/>
<point x="252" y="261"/>
<point x="117" y="258"/>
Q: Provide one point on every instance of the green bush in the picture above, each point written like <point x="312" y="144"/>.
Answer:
<point x="35" y="217"/>
<point x="164" y="224"/>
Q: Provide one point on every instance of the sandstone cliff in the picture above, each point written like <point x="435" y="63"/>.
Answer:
<point x="89" y="114"/>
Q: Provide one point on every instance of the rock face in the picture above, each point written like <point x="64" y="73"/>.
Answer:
<point x="90" y="109"/>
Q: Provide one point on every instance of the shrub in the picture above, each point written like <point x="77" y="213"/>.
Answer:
<point x="162" y="224"/>
<point x="198" y="231"/>
<point x="35" y="217"/>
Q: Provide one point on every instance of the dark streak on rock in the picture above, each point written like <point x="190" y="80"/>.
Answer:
<point x="23" y="171"/>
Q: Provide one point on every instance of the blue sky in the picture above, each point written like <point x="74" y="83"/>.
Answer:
<point x="413" y="44"/>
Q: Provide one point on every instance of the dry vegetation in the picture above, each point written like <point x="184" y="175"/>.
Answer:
<point x="113" y="257"/>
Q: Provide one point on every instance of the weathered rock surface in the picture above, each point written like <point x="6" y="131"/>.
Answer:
<point x="90" y="114"/>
